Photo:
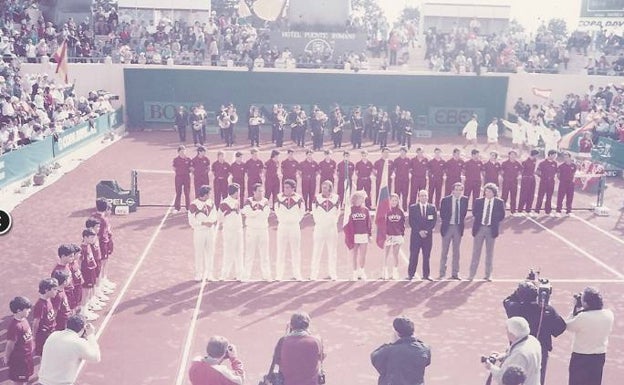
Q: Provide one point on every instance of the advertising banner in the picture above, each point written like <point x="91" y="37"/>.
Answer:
<point x="331" y="44"/>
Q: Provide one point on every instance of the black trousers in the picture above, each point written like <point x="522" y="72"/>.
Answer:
<point x="356" y="139"/>
<point x="197" y="137"/>
<point x="228" y="135"/>
<point x="406" y="140"/>
<point x="182" y="134"/>
<point x="382" y="139"/>
<point x="337" y="137"/>
<point x="417" y="243"/>
<point x="586" y="369"/>
<point x="301" y="137"/>
<point x="254" y="135"/>
<point x="544" y="366"/>
<point x="317" y="140"/>
<point x="279" y="138"/>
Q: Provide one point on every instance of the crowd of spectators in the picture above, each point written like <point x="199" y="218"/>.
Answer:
<point x="601" y="107"/>
<point x="35" y="106"/>
<point x="609" y="59"/>
<point x="466" y="50"/>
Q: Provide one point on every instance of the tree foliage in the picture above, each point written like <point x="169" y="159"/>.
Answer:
<point x="373" y="15"/>
<point x="410" y="14"/>
<point x="224" y="6"/>
<point x="558" y="27"/>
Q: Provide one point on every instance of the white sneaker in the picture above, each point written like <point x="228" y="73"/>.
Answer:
<point x="557" y="215"/>
<point x="395" y="273"/>
<point x="104" y="290"/>
<point x="108" y="283"/>
<point x="356" y="276"/>
<point x="89" y="315"/>
<point x="101" y="296"/>
<point x="333" y="277"/>
<point x="533" y="214"/>
<point x="210" y="278"/>
<point x="363" y="275"/>
<point x="553" y="215"/>
<point x="94" y="306"/>
<point x="567" y="214"/>
<point x="384" y="274"/>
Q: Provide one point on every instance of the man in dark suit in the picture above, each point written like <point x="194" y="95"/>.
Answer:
<point x="453" y="209"/>
<point x="422" y="219"/>
<point x="488" y="213"/>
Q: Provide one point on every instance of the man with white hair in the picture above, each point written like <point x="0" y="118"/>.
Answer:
<point x="524" y="351"/>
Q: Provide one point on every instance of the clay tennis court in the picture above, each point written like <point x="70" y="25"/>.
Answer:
<point x="159" y="318"/>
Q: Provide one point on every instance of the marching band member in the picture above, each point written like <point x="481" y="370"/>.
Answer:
<point x="325" y="211"/>
<point x="316" y="125"/>
<point x="232" y="222"/>
<point x="256" y="211"/>
<point x="338" y="123"/>
<point x="384" y="128"/>
<point x="406" y="127"/>
<point x="254" y="126"/>
<point x="289" y="210"/>
<point x="202" y="217"/>
<point x="357" y="128"/>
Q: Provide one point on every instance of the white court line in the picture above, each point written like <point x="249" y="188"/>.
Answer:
<point x="189" y="337"/>
<point x="575" y="247"/>
<point x="608" y="234"/>
<point x="125" y="287"/>
<point x="464" y="280"/>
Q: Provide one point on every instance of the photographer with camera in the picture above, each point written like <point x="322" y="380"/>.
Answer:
<point x="403" y="361"/>
<point x="591" y="325"/>
<point x="65" y="349"/>
<point x="299" y="356"/>
<point x="210" y="368"/>
<point x="530" y="301"/>
<point x="524" y="351"/>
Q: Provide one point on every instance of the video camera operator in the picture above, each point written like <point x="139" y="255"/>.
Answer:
<point x="591" y="325"/>
<point x="531" y="304"/>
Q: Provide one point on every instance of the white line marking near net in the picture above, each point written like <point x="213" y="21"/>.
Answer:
<point x="593" y="226"/>
<point x="575" y="247"/>
<point x="189" y="337"/>
<point x="125" y="287"/>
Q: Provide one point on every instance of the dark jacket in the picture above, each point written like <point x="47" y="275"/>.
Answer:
<point x="446" y="212"/>
<point x="498" y="214"/>
<point x="552" y="323"/>
<point x="418" y="223"/>
<point x="402" y="362"/>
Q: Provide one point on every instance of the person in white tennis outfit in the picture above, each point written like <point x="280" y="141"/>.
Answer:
<point x="232" y="222"/>
<point x="289" y="210"/>
<point x="492" y="134"/>
<point x="256" y="211"/>
<point x="551" y="137"/>
<point x="202" y="217"/>
<point x="325" y="211"/>
<point x="470" y="131"/>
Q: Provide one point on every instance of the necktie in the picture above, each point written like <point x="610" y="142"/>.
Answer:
<point x="456" y="211"/>
<point x="488" y="213"/>
<point x="422" y="209"/>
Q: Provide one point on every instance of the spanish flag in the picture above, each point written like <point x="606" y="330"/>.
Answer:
<point x="383" y="206"/>
<point x="60" y="56"/>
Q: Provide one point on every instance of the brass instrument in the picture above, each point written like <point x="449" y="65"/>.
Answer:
<point x="224" y="120"/>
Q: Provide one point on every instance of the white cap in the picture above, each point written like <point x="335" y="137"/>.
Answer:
<point x="518" y="327"/>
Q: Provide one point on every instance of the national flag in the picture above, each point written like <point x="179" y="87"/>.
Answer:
<point x="347" y="225"/>
<point x="60" y="56"/>
<point x="269" y="10"/>
<point x="574" y="136"/>
<point x="383" y="206"/>
<point x="542" y="92"/>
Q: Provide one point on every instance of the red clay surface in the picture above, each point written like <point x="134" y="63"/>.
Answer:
<point x="144" y="341"/>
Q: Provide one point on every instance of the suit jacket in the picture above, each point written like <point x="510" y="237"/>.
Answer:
<point x="446" y="212"/>
<point x="498" y="214"/>
<point x="418" y="223"/>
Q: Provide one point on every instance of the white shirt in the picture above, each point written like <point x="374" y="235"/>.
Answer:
<point x="289" y="210"/>
<point x="591" y="331"/>
<point x="492" y="131"/>
<point x="62" y="354"/>
<point x="486" y="221"/>
<point x="326" y="211"/>
<point x="201" y="212"/>
<point x="455" y="208"/>
<point x="256" y="213"/>
<point x="470" y="130"/>
<point x="231" y="219"/>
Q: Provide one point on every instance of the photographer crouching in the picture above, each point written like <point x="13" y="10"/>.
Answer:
<point x="591" y="325"/>
<point x="210" y="368"/>
<point x="524" y="351"/>
<point x="531" y="302"/>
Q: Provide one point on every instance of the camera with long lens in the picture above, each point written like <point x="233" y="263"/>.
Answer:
<point x="544" y="287"/>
